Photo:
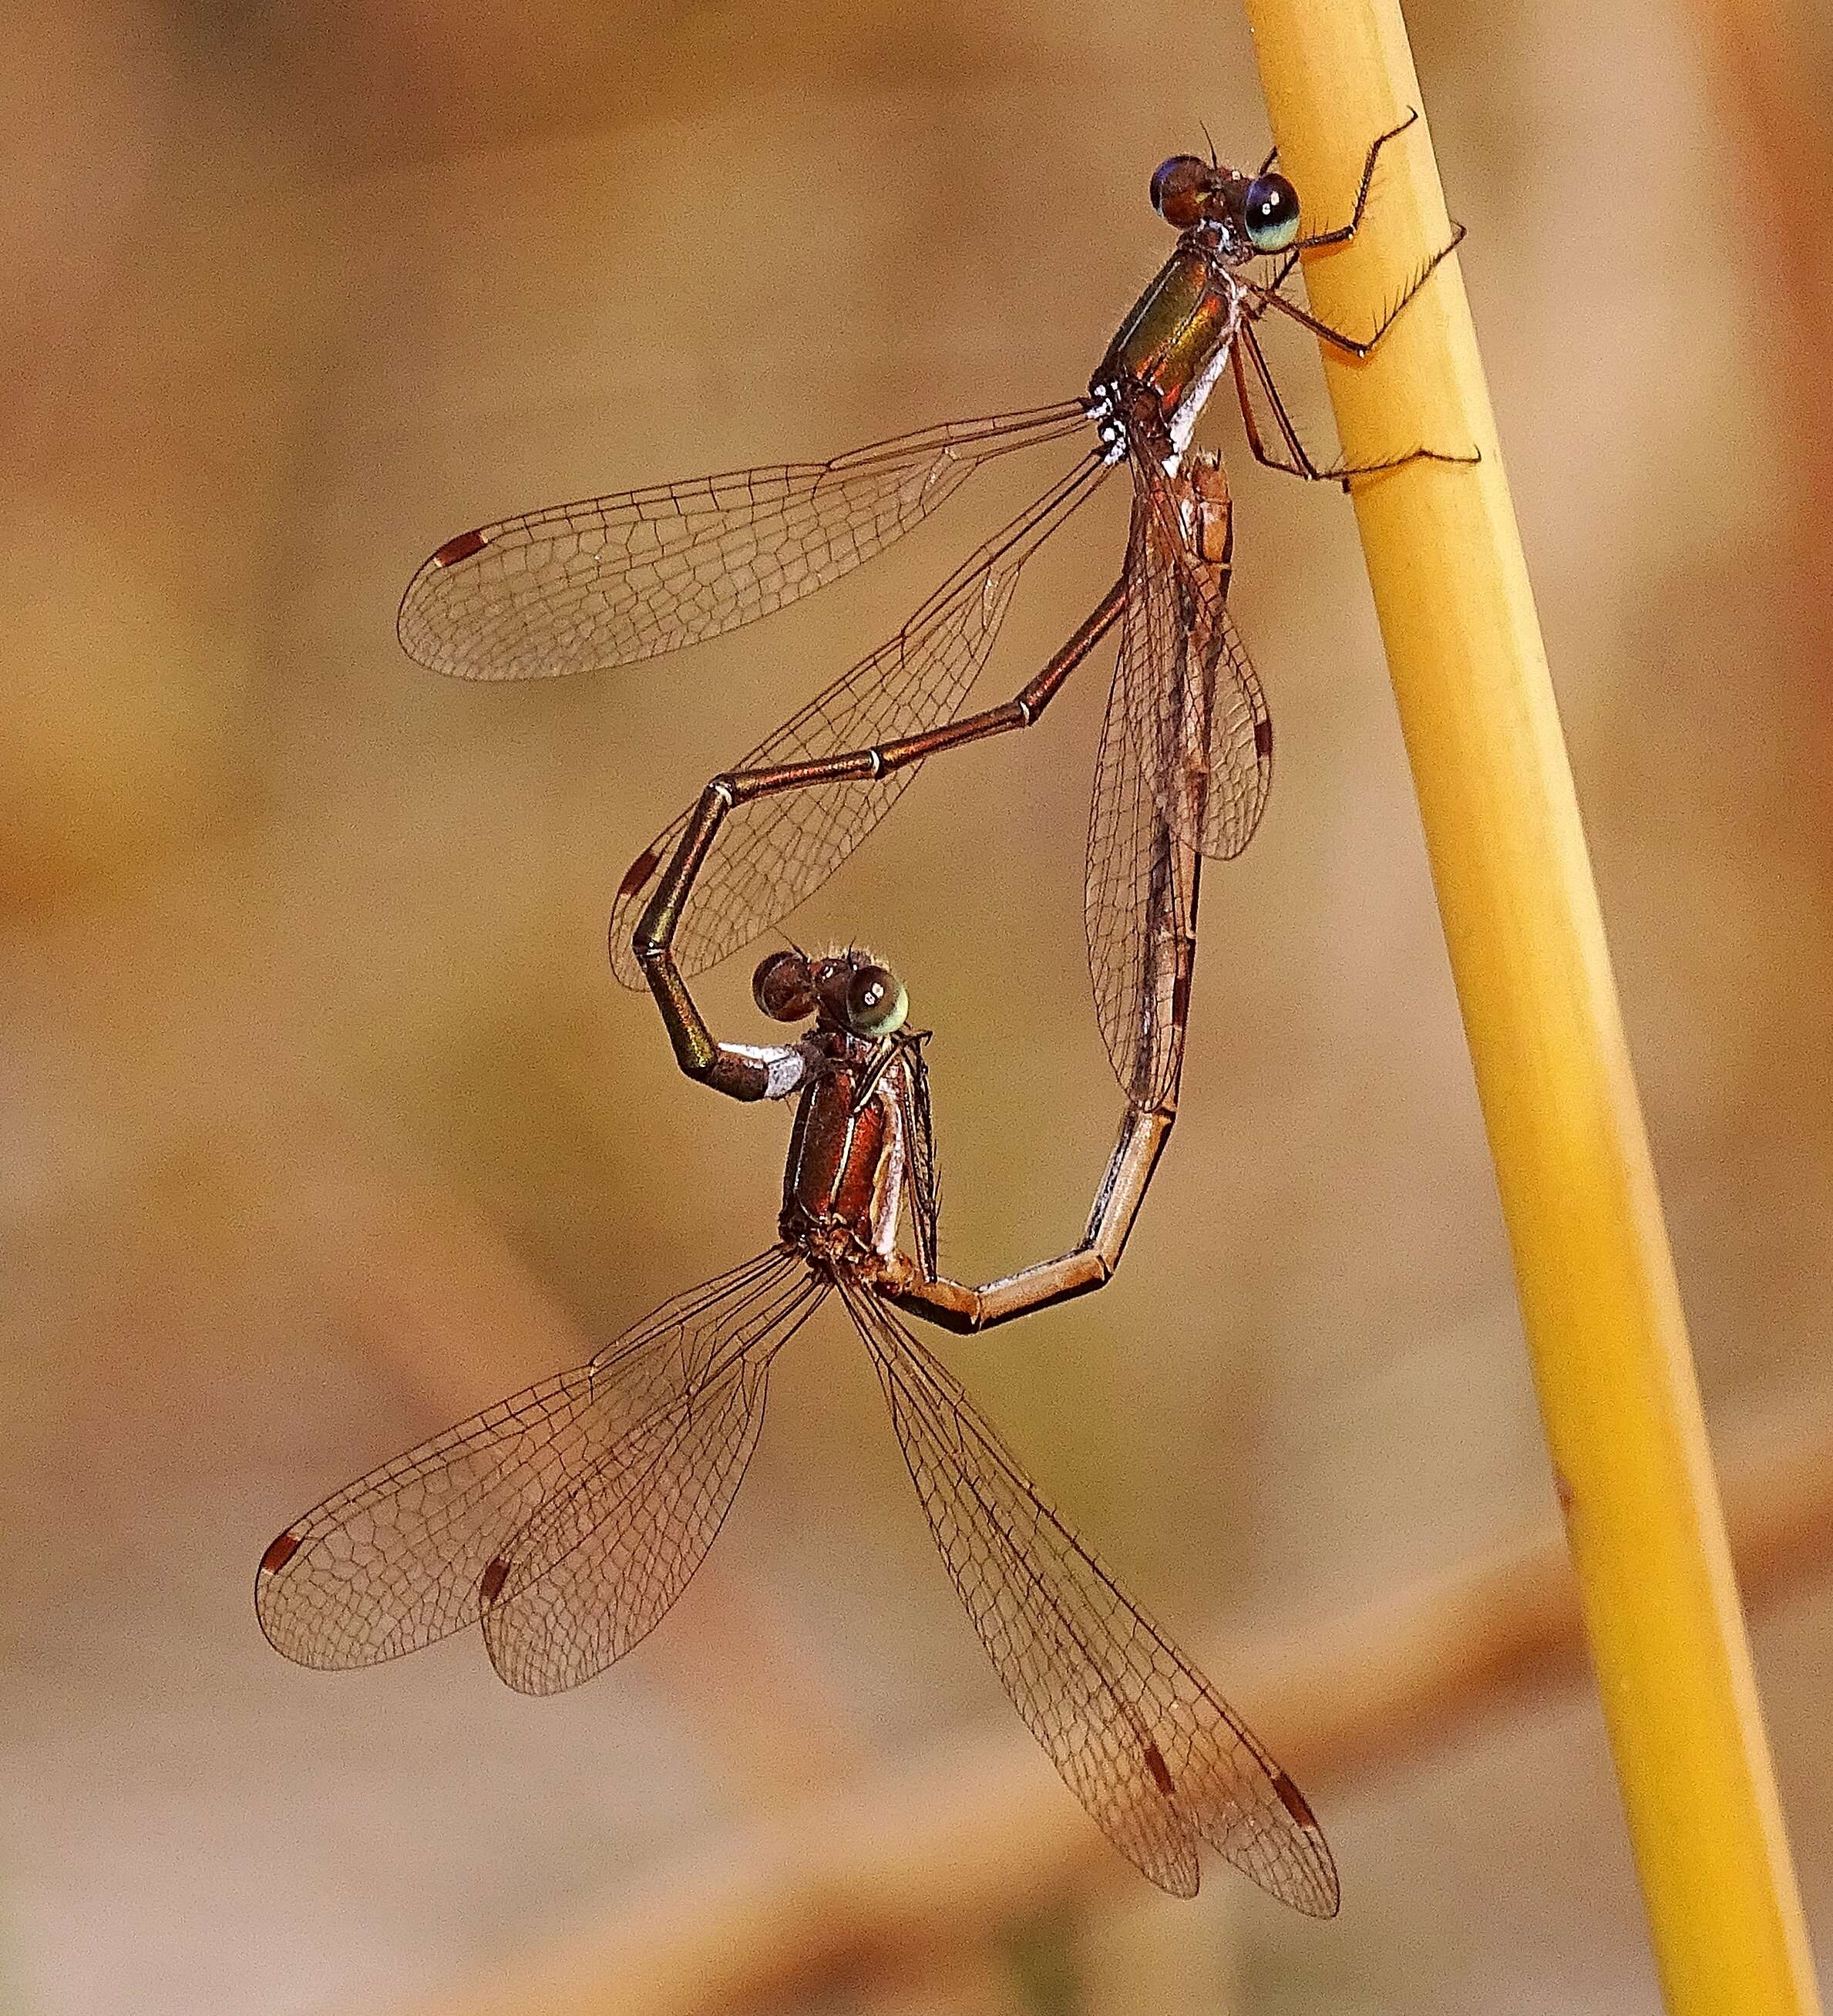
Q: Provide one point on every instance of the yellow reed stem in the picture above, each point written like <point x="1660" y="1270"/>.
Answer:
<point x="1598" y="1297"/>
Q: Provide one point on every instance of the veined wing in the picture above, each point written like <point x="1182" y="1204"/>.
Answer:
<point x="405" y="1555"/>
<point x="598" y="1565"/>
<point x="611" y="581"/>
<point x="924" y="1190"/>
<point x="1194" y="701"/>
<point x="1139" y="910"/>
<point x="1157" y="1756"/>
<point x="774" y="852"/>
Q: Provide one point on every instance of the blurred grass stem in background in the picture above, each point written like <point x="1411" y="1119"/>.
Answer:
<point x="1598" y="1297"/>
<point x="944" y="1853"/>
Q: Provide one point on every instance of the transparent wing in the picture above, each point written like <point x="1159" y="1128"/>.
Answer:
<point x="1194" y="701"/>
<point x="1158" y="1759"/>
<point x="610" y="580"/>
<point x="1139" y="908"/>
<point x="598" y="1565"/>
<point x="774" y="852"/>
<point x="396" y="1560"/>
<point x="924" y="1191"/>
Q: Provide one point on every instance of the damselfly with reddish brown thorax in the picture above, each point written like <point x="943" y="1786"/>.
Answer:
<point x="567" y="1519"/>
<point x="614" y="580"/>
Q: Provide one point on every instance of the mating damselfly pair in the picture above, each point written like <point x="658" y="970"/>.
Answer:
<point x="565" y="1520"/>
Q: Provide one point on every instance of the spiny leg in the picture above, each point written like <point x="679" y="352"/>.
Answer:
<point x="1358" y="347"/>
<point x="1287" y="267"/>
<point x="1301" y="466"/>
<point x="1344" y="232"/>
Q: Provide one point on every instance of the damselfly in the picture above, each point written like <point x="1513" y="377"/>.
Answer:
<point x="613" y="580"/>
<point x="566" y="1520"/>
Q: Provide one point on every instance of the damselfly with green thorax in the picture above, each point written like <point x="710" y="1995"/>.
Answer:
<point x="613" y="580"/>
<point x="567" y="1519"/>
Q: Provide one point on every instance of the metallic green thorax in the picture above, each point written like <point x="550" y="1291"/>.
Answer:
<point x="1177" y="329"/>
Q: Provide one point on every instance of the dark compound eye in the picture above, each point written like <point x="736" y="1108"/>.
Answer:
<point x="1181" y="186"/>
<point x="1269" y="215"/>
<point x="783" y="988"/>
<point x="876" y="1003"/>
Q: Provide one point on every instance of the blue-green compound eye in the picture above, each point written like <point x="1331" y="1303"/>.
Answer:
<point x="1271" y="213"/>
<point x="876" y="1003"/>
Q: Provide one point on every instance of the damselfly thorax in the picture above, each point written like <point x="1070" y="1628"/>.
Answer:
<point x="1167" y="355"/>
<point x="843" y="1184"/>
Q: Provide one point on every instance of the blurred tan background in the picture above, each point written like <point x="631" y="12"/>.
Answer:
<point x="322" y="1122"/>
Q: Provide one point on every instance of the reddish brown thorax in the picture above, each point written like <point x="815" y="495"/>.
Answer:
<point x="840" y="1185"/>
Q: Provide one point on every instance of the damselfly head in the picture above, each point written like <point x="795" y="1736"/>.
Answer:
<point x="848" y="991"/>
<point x="875" y="1003"/>
<point x="784" y="988"/>
<point x="1269" y="212"/>
<point x="1181" y="189"/>
<point x="1260" y="212"/>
